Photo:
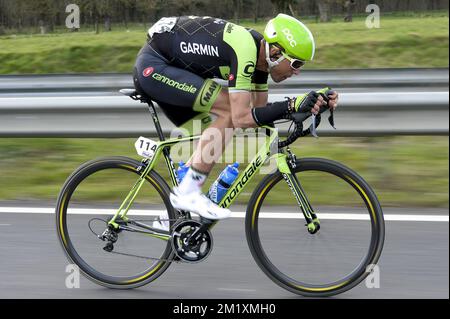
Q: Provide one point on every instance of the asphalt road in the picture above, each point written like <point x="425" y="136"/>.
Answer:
<point x="414" y="264"/>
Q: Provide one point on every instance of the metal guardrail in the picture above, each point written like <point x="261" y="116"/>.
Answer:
<point x="342" y="78"/>
<point x="372" y="102"/>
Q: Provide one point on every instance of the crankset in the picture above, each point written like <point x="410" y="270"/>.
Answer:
<point x="191" y="241"/>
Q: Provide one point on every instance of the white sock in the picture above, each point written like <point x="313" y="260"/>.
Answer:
<point x="192" y="181"/>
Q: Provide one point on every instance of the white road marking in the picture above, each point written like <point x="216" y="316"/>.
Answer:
<point x="5" y="224"/>
<point x="322" y="216"/>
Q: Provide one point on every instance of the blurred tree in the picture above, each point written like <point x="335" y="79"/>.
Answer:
<point x="237" y="5"/>
<point x="92" y="10"/>
<point x="106" y="10"/>
<point x="44" y="12"/>
<point x="189" y="7"/>
<point x="284" y="6"/>
<point x="151" y="10"/>
<point x="324" y="10"/>
<point x="349" y="6"/>
<point x="257" y="4"/>
<point x="44" y="15"/>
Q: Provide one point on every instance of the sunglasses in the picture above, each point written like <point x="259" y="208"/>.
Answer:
<point x="295" y="63"/>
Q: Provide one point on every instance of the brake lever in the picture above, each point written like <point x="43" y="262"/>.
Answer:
<point x="323" y="109"/>
<point x="331" y="119"/>
<point x="316" y="118"/>
<point x="313" y="126"/>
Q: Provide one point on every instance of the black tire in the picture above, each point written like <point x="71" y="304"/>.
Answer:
<point x="83" y="172"/>
<point x="376" y="221"/>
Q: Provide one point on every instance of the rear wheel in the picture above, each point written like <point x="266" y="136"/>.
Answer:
<point x="87" y="202"/>
<point x="336" y="258"/>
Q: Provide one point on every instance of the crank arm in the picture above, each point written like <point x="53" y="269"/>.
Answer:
<point x="199" y="232"/>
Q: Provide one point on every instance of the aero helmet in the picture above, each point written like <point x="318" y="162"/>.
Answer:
<point x="292" y="35"/>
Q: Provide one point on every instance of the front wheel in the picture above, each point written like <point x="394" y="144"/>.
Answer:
<point x="336" y="258"/>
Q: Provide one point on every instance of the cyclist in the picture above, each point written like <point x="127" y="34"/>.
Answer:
<point x="175" y="69"/>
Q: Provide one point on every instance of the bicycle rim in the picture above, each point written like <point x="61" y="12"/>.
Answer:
<point x="340" y="255"/>
<point x="88" y="200"/>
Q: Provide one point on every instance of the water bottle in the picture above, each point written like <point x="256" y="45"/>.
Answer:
<point x="223" y="182"/>
<point x="181" y="171"/>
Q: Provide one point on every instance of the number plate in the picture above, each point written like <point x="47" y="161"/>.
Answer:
<point x="145" y="147"/>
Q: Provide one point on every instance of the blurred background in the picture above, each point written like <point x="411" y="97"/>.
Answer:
<point x="36" y="40"/>
<point x="59" y="104"/>
<point x="63" y="62"/>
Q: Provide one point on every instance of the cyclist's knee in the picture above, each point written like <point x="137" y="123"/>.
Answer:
<point x="221" y="107"/>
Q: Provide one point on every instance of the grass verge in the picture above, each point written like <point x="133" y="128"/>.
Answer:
<point x="404" y="171"/>
<point x="401" y="41"/>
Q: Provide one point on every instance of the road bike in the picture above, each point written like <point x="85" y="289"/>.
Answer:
<point x="103" y="208"/>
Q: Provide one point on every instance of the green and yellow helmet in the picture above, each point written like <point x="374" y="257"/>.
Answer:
<point x="292" y="35"/>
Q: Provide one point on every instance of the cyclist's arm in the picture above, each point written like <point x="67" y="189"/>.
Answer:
<point x="242" y="56"/>
<point x="241" y="110"/>
<point x="260" y="99"/>
<point x="259" y="88"/>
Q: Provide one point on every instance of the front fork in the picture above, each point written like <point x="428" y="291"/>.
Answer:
<point x="286" y="164"/>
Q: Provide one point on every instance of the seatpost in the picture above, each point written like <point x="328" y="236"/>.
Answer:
<point x="166" y="150"/>
<point x="152" y="110"/>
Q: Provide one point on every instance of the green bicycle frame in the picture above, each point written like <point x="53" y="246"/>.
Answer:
<point x="264" y="154"/>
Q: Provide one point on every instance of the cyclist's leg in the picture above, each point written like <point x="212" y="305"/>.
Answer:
<point x="209" y="149"/>
<point x="174" y="89"/>
<point x="183" y="95"/>
<point x="215" y="138"/>
<point x="169" y="85"/>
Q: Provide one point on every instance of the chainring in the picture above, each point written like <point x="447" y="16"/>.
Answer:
<point x="191" y="253"/>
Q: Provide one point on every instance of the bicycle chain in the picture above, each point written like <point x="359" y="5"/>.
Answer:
<point x="147" y="258"/>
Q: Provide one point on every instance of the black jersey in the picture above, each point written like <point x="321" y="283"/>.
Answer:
<point x="211" y="47"/>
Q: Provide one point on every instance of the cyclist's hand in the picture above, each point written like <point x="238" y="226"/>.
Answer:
<point x="333" y="100"/>
<point x="333" y="97"/>
<point x="310" y="102"/>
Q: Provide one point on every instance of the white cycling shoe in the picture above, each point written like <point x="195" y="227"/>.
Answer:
<point x="199" y="204"/>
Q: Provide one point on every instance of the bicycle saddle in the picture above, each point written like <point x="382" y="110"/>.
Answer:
<point x="129" y="92"/>
<point x="135" y="95"/>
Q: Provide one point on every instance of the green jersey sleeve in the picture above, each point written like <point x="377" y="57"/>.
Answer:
<point x="242" y="58"/>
